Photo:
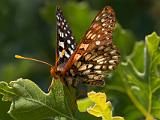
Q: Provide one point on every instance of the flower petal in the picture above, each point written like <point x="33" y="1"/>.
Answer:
<point x="95" y="110"/>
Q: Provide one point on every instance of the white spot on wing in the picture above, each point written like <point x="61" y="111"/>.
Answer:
<point x="89" y="35"/>
<point x="93" y="36"/>
<point x="71" y="51"/>
<point x="77" y="56"/>
<point x="97" y="67"/>
<point x="57" y="17"/>
<point x="59" y="32"/>
<point x="62" y="35"/>
<point x="102" y="20"/>
<point x="98" y="71"/>
<point x="83" y="67"/>
<point x="61" y="44"/>
<point x="58" y="23"/>
<point x="98" y="42"/>
<point x="104" y="67"/>
<point x="97" y="18"/>
<point x="110" y="67"/>
<point x="78" y="64"/>
<point x="68" y="41"/>
<point x="98" y="57"/>
<point x="86" y="72"/>
<point x="73" y="46"/>
<point x="106" y="49"/>
<point x="90" y="65"/>
<point x="115" y="57"/>
<point x="104" y="24"/>
<point x="90" y="76"/>
<point x="99" y="60"/>
<point x="113" y="52"/>
<point x="68" y="32"/>
<point x="111" y="62"/>
<point x="67" y="55"/>
<point x="87" y="56"/>
<point x="60" y="54"/>
<point x="84" y="46"/>
<point x="101" y="48"/>
<point x="104" y="15"/>
<point x="72" y="37"/>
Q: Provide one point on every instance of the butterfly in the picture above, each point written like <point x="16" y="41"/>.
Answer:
<point x="89" y="61"/>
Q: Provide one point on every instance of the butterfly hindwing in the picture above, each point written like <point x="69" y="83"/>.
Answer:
<point x="65" y="40"/>
<point x="96" y="54"/>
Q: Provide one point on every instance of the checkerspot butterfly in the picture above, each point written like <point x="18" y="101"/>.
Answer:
<point x="90" y="60"/>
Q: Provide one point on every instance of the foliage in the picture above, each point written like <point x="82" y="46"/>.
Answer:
<point x="29" y="102"/>
<point x="139" y="78"/>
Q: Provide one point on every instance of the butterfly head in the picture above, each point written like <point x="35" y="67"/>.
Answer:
<point x="54" y="72"/>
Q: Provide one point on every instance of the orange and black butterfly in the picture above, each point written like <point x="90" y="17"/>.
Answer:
<point x="95" y="55"/>
<point x="90" y="60"/>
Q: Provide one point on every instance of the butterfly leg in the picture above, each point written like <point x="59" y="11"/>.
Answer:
<point x="81" y="91"/>
<point x="51" y="85"/>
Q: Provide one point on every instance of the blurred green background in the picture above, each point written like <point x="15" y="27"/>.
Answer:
<point x="27" y="27"/>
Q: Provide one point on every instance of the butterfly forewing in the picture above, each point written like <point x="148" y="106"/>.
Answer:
<point x="96" y="54"/>
<point x="65" y="40"/>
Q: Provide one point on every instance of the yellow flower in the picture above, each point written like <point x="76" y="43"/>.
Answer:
<point x="101" y="108"/>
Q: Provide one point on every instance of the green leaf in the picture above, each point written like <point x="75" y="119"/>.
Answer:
<point x="140" y="79"/>
<point x="7" y="92"/>
<point x="30" y="102"/>
<point x="153" y="49"/>
<point x="137" y="55"/>
<point x="153" y="42"/>
<point x="4" y="106"/>
<point x="83" y="104"/>
<point x="124" y="40"/>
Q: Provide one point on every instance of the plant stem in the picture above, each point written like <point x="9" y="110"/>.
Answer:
<point x="147" y="67"/>
<point x="136" y="102"/>
<point x="149" y="116"/>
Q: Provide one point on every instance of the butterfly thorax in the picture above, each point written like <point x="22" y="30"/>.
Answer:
<point x="56" y="71"/>
<point x="53" y="72"/>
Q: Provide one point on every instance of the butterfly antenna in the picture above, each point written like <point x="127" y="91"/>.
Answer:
<point x="32" y="59"/>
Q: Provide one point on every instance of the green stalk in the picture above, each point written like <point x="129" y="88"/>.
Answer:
<point x="138" y="105"/>
<point x="147" y="74"/>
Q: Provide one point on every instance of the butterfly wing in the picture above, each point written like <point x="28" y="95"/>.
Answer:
<point x="65" y="40"/>
<point x="96" y="53"/>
